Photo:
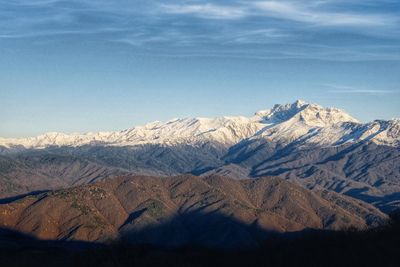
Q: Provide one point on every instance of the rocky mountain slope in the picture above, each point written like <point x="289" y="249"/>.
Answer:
<point x="212" y="211"/>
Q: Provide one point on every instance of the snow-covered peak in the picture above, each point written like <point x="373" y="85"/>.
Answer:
<point x="305" y="113"/>
<point x="281" y="113"/>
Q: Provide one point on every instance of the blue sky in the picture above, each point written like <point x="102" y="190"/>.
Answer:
<point x="93" y="65"/>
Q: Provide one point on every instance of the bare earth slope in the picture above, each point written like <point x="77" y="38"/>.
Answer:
<point x="212" y="211"/>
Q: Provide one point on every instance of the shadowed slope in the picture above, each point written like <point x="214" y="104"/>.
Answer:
<point x="373" y="247"/>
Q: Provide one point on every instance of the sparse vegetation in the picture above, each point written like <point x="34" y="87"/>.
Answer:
<point x="97" y="192"/>
<point x="80" y="206"/>
<point x="63" y="194"/>
<point x="155" y="208"/>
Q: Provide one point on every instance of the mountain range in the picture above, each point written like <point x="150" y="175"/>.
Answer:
<point x="309" y="145"/>
<point x="309" y="124"/>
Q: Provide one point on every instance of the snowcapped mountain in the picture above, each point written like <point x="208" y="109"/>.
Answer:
<point x="308" y="123"/>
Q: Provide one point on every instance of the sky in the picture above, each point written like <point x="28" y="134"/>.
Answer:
<point x="99" y="65"/>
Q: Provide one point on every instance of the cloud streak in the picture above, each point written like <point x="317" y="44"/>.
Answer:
<point x="349" y="90"/>
<point x="208" y="10"/>
<point x="297" y="11"/>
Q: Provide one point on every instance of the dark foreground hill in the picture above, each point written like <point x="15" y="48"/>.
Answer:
<point x="373" y="247"/>
<point x="210" y="211"/>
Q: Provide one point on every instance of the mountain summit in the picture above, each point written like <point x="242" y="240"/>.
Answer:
<point x="307" y="113"/>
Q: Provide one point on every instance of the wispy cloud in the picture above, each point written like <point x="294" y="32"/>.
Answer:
<point x="259" y="36"/>
<point x="206" y="10"/>
<point x="300" y="11"/>
<point x="303" y="12"/>
<point x="342" y="89"/>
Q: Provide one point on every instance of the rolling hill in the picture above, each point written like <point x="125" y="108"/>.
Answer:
<point x="211" y="211"/>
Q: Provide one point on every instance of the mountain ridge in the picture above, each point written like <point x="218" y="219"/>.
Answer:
<point x="328" y="126"/>
<point x="186" y="209"/>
